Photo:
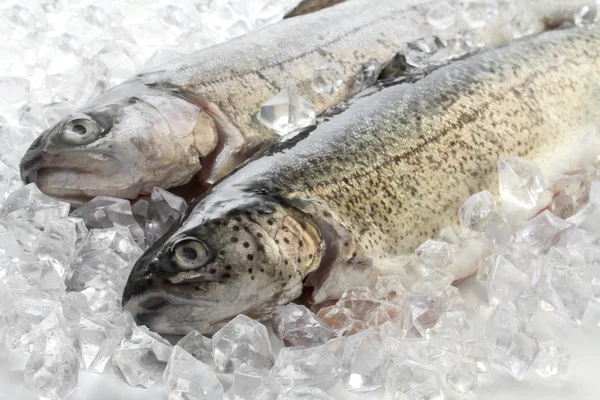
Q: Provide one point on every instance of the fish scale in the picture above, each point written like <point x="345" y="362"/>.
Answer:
<point x="370" y="184"/>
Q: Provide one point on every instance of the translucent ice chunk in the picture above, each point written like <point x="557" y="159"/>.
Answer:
<point x="517" y="352"/>
<point x="463" y="377"/>
<point x="315" y="367"/>
<point x="29" y="203"/>
<point x="419" y="53"/>
<point x="117" y="238"/>
<point x="367" y="362"/>
<point x="505" y="283"/>
<point x="242" y="340"/>
<point x="56" y="244"/>
<point x="53" y="368"/>
<point x="327" y="79"/>
<point x="340" y="319"/>
<point x="296" y="325"/>
<point x="566" y="292"/>
<point x="423" y="312"/>
<point x="540" y="232"/>
<point x="521" y="181"/>
<point x="434" y="255"/>
<point x="441" y="15"/>
<point x="287" y="112"/>
<point x="188" y="378"/>
<point x="586" y="14"/>
<point x="367" y="76"/>
<point x="390" y="288"/>
<point x="360" y="301"/>
<point x="106" y="212"/>
<point x="477" y="13"/>
<point x="164" y="209"/>
<point x="412" y="380"/>
<point x="14" y="89"/>
<point x="552" y="360"/>
<point x="304" y="394"/>
<point x="480" y="214"/>
<point x="139" y="367"/>
<point x="199" y="346"/>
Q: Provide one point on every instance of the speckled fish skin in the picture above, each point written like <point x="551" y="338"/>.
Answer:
<point x="339" y="206"/>
<point x="310" y="6"/>
<point x="196" y="116"/>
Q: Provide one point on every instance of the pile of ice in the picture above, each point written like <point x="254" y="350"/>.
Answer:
<point x="61" y="275"/>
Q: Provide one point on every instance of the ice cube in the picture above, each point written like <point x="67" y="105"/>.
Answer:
<point x="367" y="76"/>
<point x="287" y="112"/>
<point x="390" y="288"/>
<point x="385" y="312"/>
<point x="103" y="264"/>
<point x="14" y="89"/>
<point x="138" y="366"/>
<point x="566" y="292"/>
<point x="106" y="212"/>
<point x="242" y="340"/>
<point x="441" y="15"/>
<point x="540" y="232"/>
<point x="118" y="239"/>
<point x="105" y="301"/>
<point x="419" y="52"/>
<point x="434" y="255"/>
<point x="360" y="301"/>
<point x="505" y="283"/>
<point x="28" y="203"/>
<point x="119" y="65"/>
<point x="412" y="380"/>
<point x="516" y="353"/>
<point x="367" y="361"/>
<point x="462" y="378"/>
<point x="315" y="367"/>
<point x="188" y="378"/>
<point x="340" y="319"/>
<point x="97" y="340"/>
<point x="586" y="15"/>
<point x="296" y="325"/>
<point x="56" y="244"/>
<point x="552" y="359"/>
<point x="480" y="214"/>
<point x="35" y="279"/>
<point x="502" y="321"/>
<point x="477" y="351"/>
<point x="327" y="79"/>
<point x="435" y="283"/>
<point x="24" y="315"/>
<point x="477" y="13"/>
<point x="53" y="368"/>
<point x="304" y="394"/>
<point x="246" y="381"/>
<point x="164" y="210"/>
<point x="30" y="18"/>
<point x="521" y="181"/>
<point x="423" y="312"/>
<point x="199" y="346"/>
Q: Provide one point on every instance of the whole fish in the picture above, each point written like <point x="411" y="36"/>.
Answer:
<point x="196" y="116"/>
<point x="336" y="207"/>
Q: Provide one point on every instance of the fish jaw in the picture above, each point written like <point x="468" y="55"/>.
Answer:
<point x="138" y="137"/>
<point x="250" y="255"/>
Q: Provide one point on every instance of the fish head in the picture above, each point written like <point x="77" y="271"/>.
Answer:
<point x="248" y="260"/>
<point x="122" y="144"/>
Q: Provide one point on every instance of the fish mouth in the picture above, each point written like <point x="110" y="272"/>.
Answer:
<point x="167" y="314"/>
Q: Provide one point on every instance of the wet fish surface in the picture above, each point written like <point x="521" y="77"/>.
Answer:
<point x="196" y="116"/>
<point x="338" y="206"/>
<point x="310" y="6"/>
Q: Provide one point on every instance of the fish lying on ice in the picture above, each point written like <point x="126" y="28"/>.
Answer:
<point x="335" y="207"/>
<point x="196" y="116"/>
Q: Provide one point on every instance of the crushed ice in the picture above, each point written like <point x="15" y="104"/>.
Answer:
<point x="61" y="276"/>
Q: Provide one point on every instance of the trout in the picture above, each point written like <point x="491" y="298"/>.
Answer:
<point x="338" y="206"/>
<point x="196" y="116"/>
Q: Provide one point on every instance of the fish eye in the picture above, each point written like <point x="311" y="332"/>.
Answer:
<point x="190" y="253"/>
<point x="80" y="130"/>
